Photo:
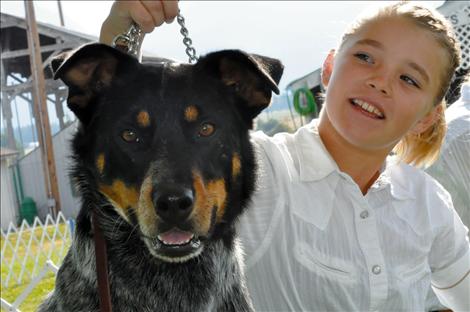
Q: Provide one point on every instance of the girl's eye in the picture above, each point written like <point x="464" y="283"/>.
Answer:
<point x="364" y="57"/>
<point x="206" y="129"/>
<point x="130" y="136"/>
<point x="409" y="81"/>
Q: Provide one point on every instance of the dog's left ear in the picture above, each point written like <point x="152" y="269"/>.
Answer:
<point x="252" y="77"/>
<point x="87" y="71"/>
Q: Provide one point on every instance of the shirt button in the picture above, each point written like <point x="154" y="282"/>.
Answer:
<point x="376" y="269"/>
<point x="364" y="214"/>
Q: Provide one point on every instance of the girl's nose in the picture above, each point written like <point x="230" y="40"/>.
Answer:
<point x="380" y="84"/>
<point x="380" y="80"/>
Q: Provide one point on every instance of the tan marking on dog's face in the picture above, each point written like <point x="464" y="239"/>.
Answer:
<point x="100" y="163"/>
<point x="143" y="119"/>
<point x="146" y="214"/>
<point x="218" y="195"/>
<point x="121" y="195"/>
<point x="191" y="113"/>
<point x="236" y="165"/>
<point x="208" y="196"/>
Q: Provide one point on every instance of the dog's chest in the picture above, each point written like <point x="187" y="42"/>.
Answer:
<point x="202" y="285"/>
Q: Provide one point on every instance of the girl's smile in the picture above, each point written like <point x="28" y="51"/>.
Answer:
<point x="368" y="108"/>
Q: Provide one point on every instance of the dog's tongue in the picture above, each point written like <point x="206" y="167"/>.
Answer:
<point x="175" y="237"/>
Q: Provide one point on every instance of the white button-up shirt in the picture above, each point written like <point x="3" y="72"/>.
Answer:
<point x="314" y="242"/>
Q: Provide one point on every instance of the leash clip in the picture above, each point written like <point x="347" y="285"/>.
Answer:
<point x="131" y="41"/>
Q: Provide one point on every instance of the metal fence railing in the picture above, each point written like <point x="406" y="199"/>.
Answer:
<point x="29" y="253"/>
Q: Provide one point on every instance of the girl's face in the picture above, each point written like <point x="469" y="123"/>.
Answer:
<point x="383" y="82"/>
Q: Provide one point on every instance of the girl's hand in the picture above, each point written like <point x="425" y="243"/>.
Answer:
<point x="147" y="13"/>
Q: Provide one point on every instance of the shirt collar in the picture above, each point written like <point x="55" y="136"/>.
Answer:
<point x="395" y="176"/>
<point x="400" y="175"/>
<point x="465" y="91"/>
<point x="315" y="162"/>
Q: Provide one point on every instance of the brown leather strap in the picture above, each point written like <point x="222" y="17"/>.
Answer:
<point x="101" y="266"/>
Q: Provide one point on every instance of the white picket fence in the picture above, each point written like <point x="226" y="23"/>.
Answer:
<point x="29" y="252"/>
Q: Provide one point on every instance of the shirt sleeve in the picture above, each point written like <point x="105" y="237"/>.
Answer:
<point x="450" y="255"/>
<point x="451" y="242"/>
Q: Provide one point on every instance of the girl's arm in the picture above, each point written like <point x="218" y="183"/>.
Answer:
<point x="455" y="296"/>
<point x="451" y="261"/>
<point x="452" y="284"/>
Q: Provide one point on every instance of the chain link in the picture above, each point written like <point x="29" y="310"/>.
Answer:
<point x="190" y="51"/>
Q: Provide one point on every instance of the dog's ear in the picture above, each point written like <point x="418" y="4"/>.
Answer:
<point x="252" y="77"/>
<point x="87" y="71"/>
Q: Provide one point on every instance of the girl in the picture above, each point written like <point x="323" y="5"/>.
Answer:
<point x="336" y="224"/>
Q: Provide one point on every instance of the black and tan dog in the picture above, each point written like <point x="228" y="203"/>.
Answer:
<point x="163" y="155"/>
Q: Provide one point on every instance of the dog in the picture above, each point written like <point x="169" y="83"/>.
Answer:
<point x="163" y="156"/>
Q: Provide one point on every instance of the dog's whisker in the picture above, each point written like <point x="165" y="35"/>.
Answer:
<point x="130" y="234"/>
<point x="116" y="226"/>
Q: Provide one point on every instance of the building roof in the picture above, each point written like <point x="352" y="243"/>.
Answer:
<point x="74" y="37"/>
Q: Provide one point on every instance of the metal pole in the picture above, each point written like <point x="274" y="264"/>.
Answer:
<point x="61" y="14"/>
<point x="59" y="110"/>
<point x="6" y="110"/>
<point x="40" y="108"/>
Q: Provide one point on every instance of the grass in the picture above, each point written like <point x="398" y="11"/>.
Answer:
<point x="56" y="250"/>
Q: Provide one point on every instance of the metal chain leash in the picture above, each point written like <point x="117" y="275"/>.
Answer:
<point x="131" y="41"/>
<point x="190" y="51"/>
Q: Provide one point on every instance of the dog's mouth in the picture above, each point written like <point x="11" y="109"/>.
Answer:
<point x="175" y="245"/>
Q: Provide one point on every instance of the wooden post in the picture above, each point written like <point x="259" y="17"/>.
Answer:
<point x="40" y="110"/>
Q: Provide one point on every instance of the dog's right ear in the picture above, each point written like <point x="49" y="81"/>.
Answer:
<point x="87" y="71"/>
<point x="251" y="77"/>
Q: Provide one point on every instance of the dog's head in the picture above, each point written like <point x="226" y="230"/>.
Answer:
<point x="167" y="144"/>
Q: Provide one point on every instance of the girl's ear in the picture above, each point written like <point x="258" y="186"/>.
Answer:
<point x="327" y="68"/>
<point x="428" y="120"/>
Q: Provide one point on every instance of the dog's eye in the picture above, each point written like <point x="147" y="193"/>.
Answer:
<point x="206" y="129"/>
<point x="130" y="136"/>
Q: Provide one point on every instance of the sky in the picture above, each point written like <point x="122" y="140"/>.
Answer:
<point x="299" y="33"/>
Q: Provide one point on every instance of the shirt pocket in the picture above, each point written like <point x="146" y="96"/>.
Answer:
<point x="325" y="266"/>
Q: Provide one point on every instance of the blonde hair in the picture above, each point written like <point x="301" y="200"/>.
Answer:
<point x="423" y="149"/>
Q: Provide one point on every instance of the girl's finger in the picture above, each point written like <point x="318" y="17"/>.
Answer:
<point x="170" y="9"/>
<point x="155" y="9"/>
<point x="141" y="16"/>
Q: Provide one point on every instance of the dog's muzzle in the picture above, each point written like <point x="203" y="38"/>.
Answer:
<point x="174" y="205"/>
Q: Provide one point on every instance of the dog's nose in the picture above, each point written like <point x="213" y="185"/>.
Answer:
<point x="173" y="204"/>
